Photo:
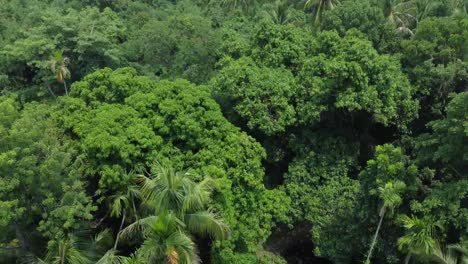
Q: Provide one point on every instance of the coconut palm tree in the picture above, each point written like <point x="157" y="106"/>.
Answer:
<point x="390" y="195"/>
<point x="59" y="66"/>
<point x="320" y="6"/>
<point x="400" y="14"/>
<point x="235" y="4"/>
<point x="278" y="11"/>
<point x="178" y="207"/>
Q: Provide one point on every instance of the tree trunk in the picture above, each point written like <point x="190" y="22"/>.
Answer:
<point x="63" y="253"/>
<point x="382" y="214"/>
<point x="118" y="233"/>
<point x="65" y="85"/>
<point x="408" y="258"/>
<point x="51" y="92"/>
<point x="20" y="236"/>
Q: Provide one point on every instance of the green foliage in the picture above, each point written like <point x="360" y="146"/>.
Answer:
<point x="280" y="45"/>
<point x="299" y="94"/>
<point x="89" y="38"/>
<point x="420" y="235"/>
<point x="435" y="59"/>
<point x="260" y="95"/>
<point x="391" y="180"/>
<point x="179" y="45"/>
<point x="123" y="121"/>
<point x="365" y="17"/>
<point x="347" y="74"/>
<point x="178" y="210"/>
<point x="448" y="142"/>
<point x="40" y="185"/>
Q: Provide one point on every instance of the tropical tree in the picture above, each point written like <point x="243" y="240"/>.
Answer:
<point x="59" y="66"/>
<point x="178" y="207"/>
<point x="70" y="249"/>
<point x="80" y="248"/>
<point x="400" y="13"/>
<point x="278" y="11"/>
<point x="123" y="204"/>
<point x="390" y="195"/>
<point x="451" y="254"/>
<point x="165" y="240"/>
<point x="419" y="237"/>
<point x="320" y="6"/>
<point x="234" y="4"/>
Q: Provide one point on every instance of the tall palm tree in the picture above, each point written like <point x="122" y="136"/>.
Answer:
<point x="420" y="236"/>
<point x="71" y="249"/>
<point x="178" y="209"/>
<point x="320" y="6"/>
<point x="79" y="248"/>
<point x="235" y="4"/>
<point x="123" y="204"/>
<point x="278" y="11"/>
<point x="399" y="13"/>
<point x="59" y="66"/>
<point x="390" y="195"/>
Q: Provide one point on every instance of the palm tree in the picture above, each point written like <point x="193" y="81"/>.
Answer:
<point x="59" y="66"/>
<point x="458" y="6"/>
<point x="451" y="254"/>
<point x="278" y="12"/>
<point x="70" y="249"/>
<point x="178" y="207"/>
<point x="111" y="257"/>
<point x="320" y="6"/>
<point x="165" y="240"/>
<point x="419" y="237"/>
<point x="79" y="248"/>
<point x="400" y="14"/>
<point x="390" y="195"/>
<point x="123" y="204"/>
<point x="234" y="4"/>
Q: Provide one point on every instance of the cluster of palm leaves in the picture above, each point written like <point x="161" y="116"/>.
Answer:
<point x="179" y="206"/>
<point x="174" y="209"/>
<point x="422" y="246"/>
<point x="319" y="6"/>
<point x="59" y="66"/>
<point x="405" y="15"/>
<point x="390" y="194"/>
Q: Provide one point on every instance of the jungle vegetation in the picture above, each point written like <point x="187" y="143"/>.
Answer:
<point x="233" y="131"/>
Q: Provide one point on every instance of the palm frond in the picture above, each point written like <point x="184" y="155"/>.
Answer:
<point x="111" y="257"/>
<point x="137" y="227"/>
<point x="207" y="223"/>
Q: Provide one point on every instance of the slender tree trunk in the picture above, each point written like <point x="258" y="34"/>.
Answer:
<point x="134" y="210"/>
<point x="51" y="92"/>
<point x="63" y="253"/>
<point x="382" y="214"/>
<point x="408" y="258"/>
<point x="19" y="236"/>
<point x="118" y="233"/>
<point x="65" y="85"/>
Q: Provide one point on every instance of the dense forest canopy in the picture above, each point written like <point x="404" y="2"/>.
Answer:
<point x="233" y="131"/>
